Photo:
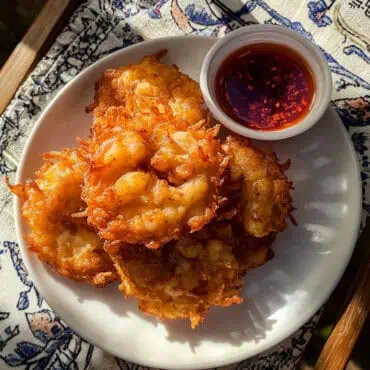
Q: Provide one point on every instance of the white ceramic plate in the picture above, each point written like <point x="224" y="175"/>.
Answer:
<point x="279" y="297"/>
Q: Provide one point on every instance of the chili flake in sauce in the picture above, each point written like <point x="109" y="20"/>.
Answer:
<point x="265" y="86"/>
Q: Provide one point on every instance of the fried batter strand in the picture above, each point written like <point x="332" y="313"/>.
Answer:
<point x="64" y="242"/>
<point x="266" y="199"/>
<point x="184" y="279"/>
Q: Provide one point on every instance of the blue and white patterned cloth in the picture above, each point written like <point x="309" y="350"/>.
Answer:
<point x="31" y="335"/>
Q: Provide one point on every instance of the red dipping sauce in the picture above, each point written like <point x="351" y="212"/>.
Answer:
<point x="265" y="86"/>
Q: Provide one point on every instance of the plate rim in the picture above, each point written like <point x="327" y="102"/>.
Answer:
<point x="165" y="364"/>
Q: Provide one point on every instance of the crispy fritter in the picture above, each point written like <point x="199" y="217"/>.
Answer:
<point x="149" y="87"/>
<point x="184" y="279"/>
<point x="149" y="190"/>
<point x="266" y="200"/>
<point x="64" y="242"/>
<point x="155" y="168"/>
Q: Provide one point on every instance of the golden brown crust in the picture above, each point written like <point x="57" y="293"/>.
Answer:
<point x="64" y="242"/>
<point x="184" y="279"/>
<point x="265" y="193"/>
<point x="149" y="87"/>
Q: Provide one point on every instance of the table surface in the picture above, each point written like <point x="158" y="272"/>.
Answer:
<point x="16" y="16"/>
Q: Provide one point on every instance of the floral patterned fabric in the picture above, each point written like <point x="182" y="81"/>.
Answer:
<point x="32" y="336"/>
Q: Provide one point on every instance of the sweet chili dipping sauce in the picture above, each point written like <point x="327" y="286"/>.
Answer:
<point x="265" y="86"/>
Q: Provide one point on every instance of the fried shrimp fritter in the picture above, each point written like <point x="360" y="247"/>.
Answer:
<point x="266" y="199"/>
<point x="183" y="279"/>
<point x="155" y="168"/>
<point x="157" y="197"/>
<point x="150" y="190"/>
<point x="150" y="87"/>
<point x="64" y="242"/>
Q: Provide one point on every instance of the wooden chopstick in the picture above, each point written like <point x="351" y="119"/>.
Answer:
<point x="24" y="55"/>
<point x="339" y="346"/>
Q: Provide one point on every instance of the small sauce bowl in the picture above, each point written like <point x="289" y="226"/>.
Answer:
<point x="267" y="34"/>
